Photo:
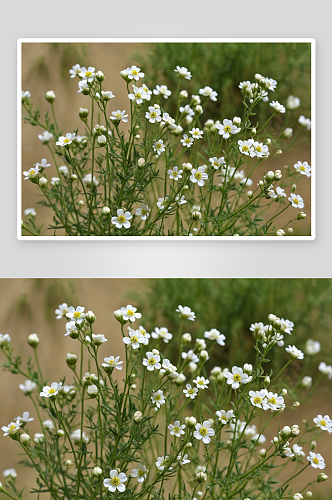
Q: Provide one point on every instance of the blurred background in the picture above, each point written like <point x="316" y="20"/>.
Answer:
<point x="230" y="305"/>
<point x="45" y="66"/>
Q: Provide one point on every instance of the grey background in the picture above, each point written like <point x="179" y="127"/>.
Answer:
<point x="172" y="18"/>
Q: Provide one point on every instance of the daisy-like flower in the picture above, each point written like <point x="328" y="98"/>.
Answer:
<point x="65" y="141"/>
<point x="162" y="90"/>
<point x="48" y="424"/>
<point x="43" y="164"/>
<point x="129" y="313"/>
<point x="278" y="108"/>
<point x="121" y="219"/>
<point x="52" y="391"/>
<point x="305" y="122"/>
<point x="75" y="71"/>
<point x="325" y="369"/>
<point x="159" y="147"/>
<point x="246" y="147"/>
<point x="296" y="200"/>
<point x="62" y="311"/>
<point x="215" y="335"/>
<point x="286" y="326"/>
<point x="294" y="352"/>
<point x="298" y="451"/>
<point x="153" y="115"/>
<point x="324" y="423"/>
<point x="119" y="116"/>
<point x="144" y="334"/>
<point x="140" y="473"/>
<point x="186" y="313"/>
<point x="71" y="329"/>
<point x="97" y="339"/>
<point x="199" y="176"/>
<point x="183" y="459"/>
<point x="180" y="201"/>
<point x="196" y="133"/>
<point x="204" y="431"/>
<point x="162" y="333"/>
<point x="257" y="398"/>
<point x="201" y="382"/>
<point x="152" y="361"/>
<point x="236" y="377"/>
<point x="217" y="162"/>
<point x="45" y="137"/>
<point x="293" y="102"/>
<point x="260" y="150"/>
<point x="11" y="428"/>
<point x="158" y="398"/>
<point x="116" y="481"/>
<point x="107" y="95"/>
<point x="187" y="141"/>
<point x="280" y="192"/>
<point x="143" y="211"/>
<point x="25" y="419"/>
<point x="134" y="339"/>
<point x="187" y="110"/>
<point x="25" y="95"/>
<point x="10" y="473"/>
<point x="83" y="87"/>
<point x="190" y="392"/>
<point x="208" y="92"/>
<point x="162" y="202"/>
<point x="183" y="72"/>
<point x="88" y="74"/>
<point x="162" y="462"/>
<point x="273" y="401"/>
<point x="175" y="173"/>
<point x="270" y="84"/>
<point x="31" y="173"/>
<point x="112" y="362"/>
<point x="316" y="460"/>
<point x="176" y="429"/>
<point x="76" y="315"/>
<point x="312" y="347"/>
<point x="169" y="369"/>
<point x="227" y="128"/>
<point x="190" y="356"/>
<point x="303" y="168"/>
<point x="134" y="73"/>
<point x="28" y="387"/>
<point x="147" y="91"/>
<point x="225" y="417"/>
<point x="138" y="95"/>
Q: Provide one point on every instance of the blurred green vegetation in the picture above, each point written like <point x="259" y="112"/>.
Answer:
<point x="223" y="66"/>
<point x="232" y="305"/>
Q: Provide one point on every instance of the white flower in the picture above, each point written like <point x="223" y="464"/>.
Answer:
<point x="4" y="339"/>
<point x="227" y="128"/>
<point x="162" y="90"/>
<point x="25" y="419"/>
<point x="217" y="162"/>
<point x="273" y="401"/>
<point x="48" y="424"/>
<point x="11" y="428"/>
<point x="134" y="339"/>
<point x="190" y="356"/>
<point x="119" y="116"/>
<point x="71" y="328"/>
<point x="303" y="168"/>
<point x="153" y="114"/>
<point x="48" y="391"/>
<point x="162" y="202"/>
<point x="107" y="95"/>
<point x="203" y="432"/>
<point x="215" y="335"/>
<point x="88" y="74"/>
<point x="75" y="71"/>
<point x="10" y="473"/>
<point x="316" y="460"/>
<point x="208" y="92"/>
<point x="201" y="382"/>
<point x="113" y="362"/>
<point x="31" y="173"/>
<point x="28" y="387"/>
<point x="143" y="211"/>
<point x="161" y="463"/>
<point x="305" y="122"/>
<point x="196" y="133"/>
<point x="260" y="150"/>
<point x="39" y="438"/>
<point x="296" y="201"/>
<point x="176" y="429"/>
<point x="65" y="141"/>
<point x="45" y="137"/>
<point x="116" y="481"/>
<point x="279" y="108"/>
<point x="62" y="311"/>
<point x="190" y="392"/>
<point x="30" y="211"/>
<point x="257" y="398"/>
<point x="140" y="473"/>
<point x="286" y="326"/>
<point x="280" y="192"/>
<point x="293" y="102"/>
<point x="175" y="173"/>
<point x="287" y="452"/>
<point x="199" y="176"/>
<point x="325" y="369"/>
<point x="97" y="339"/>
<point x="169" y="369"/>
<point x="288" y="132"/>
<point x="75" y="436"/>
<point x="76" y="315"/>
<point x="144" y="334"/>
<point x="324" y="423"/>
<point x="225" y="417"/>
<point x="187" y="141"/>
<point x="83" y="86"/>
<point x="158" y="398"/>
<point x="152" y="361"/>
<point x="183" y="459"/>
<point x="88" y="181"/>
<point x="180" y="201"/>
<point x="134" y="73"/>
<point x="246" y="147"/>
<point x="187" y="110"/>
<point x="159" y="147"/>
<point x="236" y="377"/>
<point x="162" y="333"/>
<point x="297" y="450"/>
<point x="183" y="72"/>
<point x="294" y="352"/>
<point x="25" y="94"/>
<point x="121" y="219"/>
<point x="186" y="313"/>
<point x="138" y="95"/>
<point x="312" y="347"/>
<point x="43" y="164"/>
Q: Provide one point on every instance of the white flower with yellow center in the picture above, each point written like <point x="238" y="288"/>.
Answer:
<point x="66" y="141"/>
<point x="176" y="429"/>
<point x="236" y="377"/>
<point x="153" y="115"/>
<point x="158" y="147"/>
<point x="204" y="431"/>
<point x="175" y="173"/>
<point x="121" y="219"/>
<point x="324" y="423"/>
<point x="162" y="462"/>
<point x="134" y="73"/>
<point x="187" y="141"/>
<point x="116" y="481"/>
<point x="217" y="162"/>
<point x="75" y="71"/>
<point x="51" y="391"/>
<point x="88" y="74"/>
<point x="112" y="362"/>
<point x="273" y="401"/>
<point x="134" y="339"/>
<point x="169" y="369"/>
<point x="225" y="416"/>
<point x="129" y="313"/>
<point x="294" y="352"/>
<point x="158" y="398"/>
<point x="119" y="116"/>
<point x="316" y="460"/>
<point x="138" y="95"/>
<point x="162" y="333"/>
<point x="208" y="92"/>
<point x="76" y="315"/>
<point x="143" y="211"/>
<point x="196" y="133"/>
<point x="296" y="200"/>
<point x="303" y="168"/>
<point x="162" y="90"/>
<point x="186" y="313"/>
<point x="201" y="382"/>
<point x="62" y="310"/>
<point x="11" y="428"/>
<point x="258" y="398"/>
<point x="144" y="334"/>
<point x="199" y="176"/>
<point x="31" y="173"/>
<point x="140" y="473"/>
<point x="27" y="387"/>
<point x="162" y="202"/>
<point x="259" y="149"/>
<point x="190" y="392"/>
<point x="152" y="361"/>
<point x="227" y="128"/>
<point x="246" y="147"/>
<point x="183" y="72"/>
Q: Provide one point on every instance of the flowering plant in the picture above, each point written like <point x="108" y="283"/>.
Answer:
<point x="184" y="430"/>
<point x="166" y="176"/>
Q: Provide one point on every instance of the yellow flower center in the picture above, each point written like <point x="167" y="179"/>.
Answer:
<point x="257" y="400"/>
<point x="175" y="175"/>
<point x="187" y="141"/>
<point x="316" y="461"/>
<point x="224" y="419"/>
<point x="12" y="427"/>
<point x="203" y="431"/>
<point x="158" y="145"/>
<point x="259" y="149"/>
<point x="88" y="73"/>
<point x="323" y="423"/>
<point x="144" y="212"/>
<point x="153" y="114"/>
<point x="245" y="148"/>
<point x="302" y="168"/>
<point x="198" y="175"/>
<point x="296" y="201"/>
<point x="111" y="362"/>
<point x="122" y="218"/>
<point x="191" y="391"/>
<point x="129" y="312"/>
<point x="32" y="171"/>
<point x="77" y="314"/>
<point x="51" y="391"/>
<point x="227" y="128"/>
<point x="134" y="339"/>
<point x="140" y="472"/>
<point x="201" y="382"/>
<point x="157" y="397"/>
<point x="176" y="429"/>
<point x="272" y="400"/>
<point x="115" y="481"/>
<point x="152" y="361"/>
<point x="138" y="95"/>
<point x="134" y="72"/>
<point x="66" y="140"/>
<point x="118" y="115"/>
<point x="237" y="377"/>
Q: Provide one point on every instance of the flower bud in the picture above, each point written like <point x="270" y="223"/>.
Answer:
<point x="322" y="477"/>
<point x="50" y="96"/>
<point x="97" y="471"/>
<point x="290" y="230"/>
<point x="301" y="215"/>
<point x="124" y="75"/>
<point x="201" y="477"/>
<point x="106" y="210"/>
<point x="288" y="132"/>
<point x="249" y="194"/>
<point x="278" y="175"/>
<point x="73" y="177"/>
<point x="187" y="167"/>
<point x="71" y="359"/>
<point x="313" y="445"/>
<point x="141" y="163"/>
<point x="253" y="132"/>
<point x="83" y="113"/>
<point x="101" y="140"/>
<point x="237" y="120"/>
<point x="275" y="440"/>
<point x="267" y="381"/>
<point x="100" y="76"/>
<point x="268" y="141"/>
<point x="220" y="377"/>
<point x="25" y="439"/>
<point x="203" y="355"/>
<point x="296" y="404"/>
<point x="309" y="494"/>
<point x="118" y="316"/>
<point x="198" y="110"/>
<point x="270" y="175"/>
<point x="215" y="371"/>
<point x="68" y="463"/>
<point x="133" y="387"/>
<point x="196" y="215"/>
<point x="190" y="422"/>
<point x="293" y="188"/>
<point x="284" y="392"/>
<point x="306" y="382"/>
<point x="1" y="487"/>
<point x="43" y="182"/>
<point x="188" y="445"/>
<point x="285" y="432"/>
<point x="60" y="433"/>
<point x="138" y="417"/>
<point x="183" y="95"/>
<point x="92" y="391"/>
<point x="33" y="340"/>
<point x="180" y="379"/>
<point x="298" y="496"/>
<point x="262" y="452"/>
<point x="90" y="317"/>
<point x="155" y="352"/>
<point x="295" y="430"/>
<point x="185" y="339"/>
<point x="192" y="366"/>
<point x="247" y="368"/>
<point x="278" y="152"/>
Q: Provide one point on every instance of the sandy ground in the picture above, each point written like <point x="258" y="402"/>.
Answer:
<point x="46" y="66"/>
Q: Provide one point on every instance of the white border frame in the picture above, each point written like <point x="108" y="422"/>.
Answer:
<point x="312" y="41"/>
